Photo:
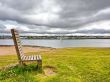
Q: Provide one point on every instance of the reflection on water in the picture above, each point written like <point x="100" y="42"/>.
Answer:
<point x="63" y="43"/>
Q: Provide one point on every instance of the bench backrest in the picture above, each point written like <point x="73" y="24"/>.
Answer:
<point x="17" y="43"/>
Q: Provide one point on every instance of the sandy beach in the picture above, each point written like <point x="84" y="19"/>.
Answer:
<point x="10" y="50"/>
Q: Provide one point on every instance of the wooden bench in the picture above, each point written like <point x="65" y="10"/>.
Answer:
<point x="21" y="57"/>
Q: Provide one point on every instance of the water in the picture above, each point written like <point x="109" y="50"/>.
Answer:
<point x="63" y="43"/>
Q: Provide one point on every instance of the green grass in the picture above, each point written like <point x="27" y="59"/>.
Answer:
<point x="70" y="65"/>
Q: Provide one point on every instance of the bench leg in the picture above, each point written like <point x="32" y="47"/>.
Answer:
<point x="21" y="63"/>
<point x="39" y="64"/>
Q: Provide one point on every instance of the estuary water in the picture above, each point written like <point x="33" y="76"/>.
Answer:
<point x="61" y="43"/>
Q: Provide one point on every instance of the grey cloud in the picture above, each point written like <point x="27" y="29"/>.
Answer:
<point x="70" y="16"/>
<point x="14" y="10"/>
<point x="21" y="5"/>
<point x="84" y="8"/>
<point x="2" y="27"/>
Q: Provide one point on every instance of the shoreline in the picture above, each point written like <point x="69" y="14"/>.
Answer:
<point x="27" y="46"/>
<point x="10" y="49"/>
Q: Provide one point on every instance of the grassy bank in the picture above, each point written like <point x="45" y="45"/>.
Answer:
<point x="68" y="65"/>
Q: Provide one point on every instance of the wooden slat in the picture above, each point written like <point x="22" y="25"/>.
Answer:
<point x="32" y="58"/>
<point x="21" y="53"/>
<point x="24" y="58"/>
<point x="20" y="49"/>
<point x="37" y="57"/>
<point x="17" y="36"/>
<point x="40" y="57"/>
<point x="29" y="57"/>
<point x="19" y="45"/>
<point x="18" y="40"/>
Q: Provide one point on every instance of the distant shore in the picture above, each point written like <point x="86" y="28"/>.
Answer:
<point x="58" y="37"/>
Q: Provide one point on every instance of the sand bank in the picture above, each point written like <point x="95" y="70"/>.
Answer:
<point x="10" y="50"/>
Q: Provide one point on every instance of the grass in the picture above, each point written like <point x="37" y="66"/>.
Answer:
<point x="70" y="65"/>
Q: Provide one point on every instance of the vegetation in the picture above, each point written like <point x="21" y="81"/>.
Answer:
<point x="50" y="37"/>
<point x="69" y="65"/>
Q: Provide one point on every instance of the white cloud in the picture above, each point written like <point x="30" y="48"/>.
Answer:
<point x="20" y="27"/>
<point x="97" y="25"/>
<point x="103" y="11"/>
<point x="43" y="18"/>
<point x="46" y="12"/>
<point x="105" y="25"/>
<point x="50" y="6"/>
<point x="12" y="24"/>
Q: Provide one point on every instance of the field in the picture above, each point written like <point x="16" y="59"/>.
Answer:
<point x="60" y="65"/>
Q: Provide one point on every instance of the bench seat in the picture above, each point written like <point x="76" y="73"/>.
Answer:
<point x="31" y="58"/>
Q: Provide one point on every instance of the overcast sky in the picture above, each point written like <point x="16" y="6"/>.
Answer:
<point x="56" y="16"/>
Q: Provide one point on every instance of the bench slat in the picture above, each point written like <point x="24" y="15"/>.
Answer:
<point x="40" y="57"/>
<point x="29" y="58"/>
<point x="37" y="57"/>
<point x="32" y="58"/>
<point x="24" y="57"/>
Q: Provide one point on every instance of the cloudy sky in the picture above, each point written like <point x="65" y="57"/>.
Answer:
<point x="56" y="16"/>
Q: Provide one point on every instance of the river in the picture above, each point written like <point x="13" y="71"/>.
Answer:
<point x="61" y="43"/>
